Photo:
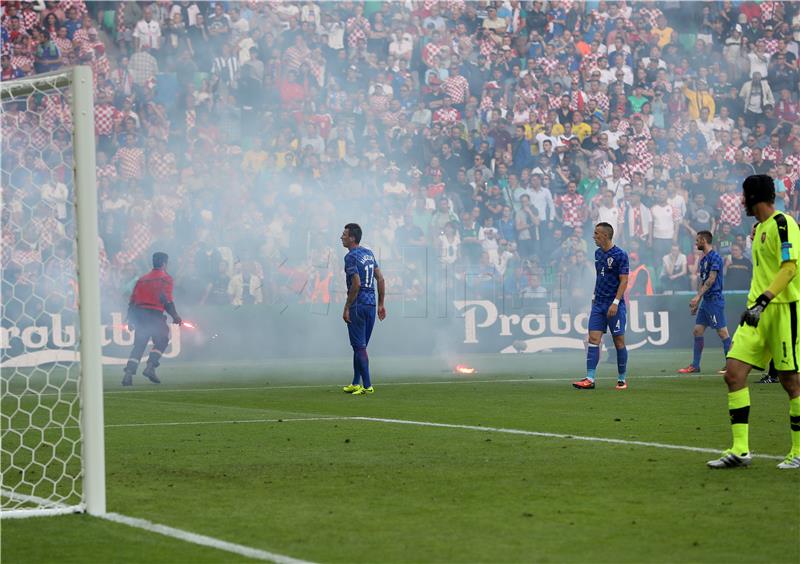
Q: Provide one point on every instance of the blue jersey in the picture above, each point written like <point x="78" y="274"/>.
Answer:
<point x="709" y="263"/>
<point x="610" y="265"/>
<point x="361" y="261"/>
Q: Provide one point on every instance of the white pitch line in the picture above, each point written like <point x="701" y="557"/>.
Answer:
<point x="551" y="435"/>
<point x="211" y="422"/>
<point x="224" y="422"/>
<point x="457" y="426"/>
<point x="202" y="540"/>
<point x="382" y="384"/>
<point x="154" y="390"/>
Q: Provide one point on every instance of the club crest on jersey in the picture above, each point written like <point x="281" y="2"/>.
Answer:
<point x="763" y="237"/>
<point x="610" y="261"/>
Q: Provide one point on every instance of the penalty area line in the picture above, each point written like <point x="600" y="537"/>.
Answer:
<point x="552" y="435"/>
<point x="202" y="540"/>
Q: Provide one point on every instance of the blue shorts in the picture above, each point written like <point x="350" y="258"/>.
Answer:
<point x="599" y="320"/>
<point x="362" y="320"/>
<point x="711" y="314"/>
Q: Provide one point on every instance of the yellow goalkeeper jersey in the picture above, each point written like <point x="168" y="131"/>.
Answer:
<point x="776" y="241"/>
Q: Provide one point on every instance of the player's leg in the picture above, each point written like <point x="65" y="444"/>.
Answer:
<point x="725" y="337"/>
<point x="598" y="322"/>
<point x="617" y="326"/>
<point x="721" y="326"/>
<point x="355" y="332"/>
<point x="622" y="361"/>
<point x="698" y="344"/>
<point x="791" y="383"/>
<point x="368" y="315"/>
<point x="749" y="349"/>
<point x="739" y="410"/>
<point x="141" y="337"/>
<point x="160" y="342"/>
<point x="700" y="323"/>
<point x="770" y="376"/>
<point x="783" y="327"/>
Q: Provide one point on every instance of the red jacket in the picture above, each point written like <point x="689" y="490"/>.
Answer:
<point x="153" y="290"/>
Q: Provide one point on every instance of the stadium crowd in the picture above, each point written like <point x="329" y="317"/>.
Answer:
<point x="482" y="139"/>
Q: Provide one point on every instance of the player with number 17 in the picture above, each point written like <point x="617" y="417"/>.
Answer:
<point x="363" y="276"/>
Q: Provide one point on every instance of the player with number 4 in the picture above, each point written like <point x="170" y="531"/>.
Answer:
<point x="608" y="306"/>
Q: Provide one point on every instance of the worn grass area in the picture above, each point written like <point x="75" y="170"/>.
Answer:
<point x="206" y="452"/>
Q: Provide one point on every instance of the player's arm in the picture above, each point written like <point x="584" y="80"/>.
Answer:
<point x="381" y="293"/>
<point x="704" y="287"/>
<point x="169" y="303"/>
<point x="352" y="294"/>
<point x="130" y="318"/>
<point x="623" y="285"/>
<point x="786" y="274"/>
<point x="169" y="307"/>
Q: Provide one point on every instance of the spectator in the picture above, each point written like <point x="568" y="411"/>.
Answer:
<point x="219" y="26"/>
<point x="449" y="244"/>
<point x="640" y="278"/>
<point x="147" y="33"/>
<point x="607" y="212"/>
<point x="572" y="209"/>
<point x="533" y="290"/>
<point x="500" y="110"/>
<point x="729" y="206"/>
<point x="738" y="270"/>
<point x="674" y="270"/>
<point x="725" y="239"/>
<point x="142" y="66"/>
<point x="756" y="94"/>
<point x="699" y="216"/>
<point x="638" y="219"/>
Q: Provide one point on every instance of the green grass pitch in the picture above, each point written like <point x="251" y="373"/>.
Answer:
<point x="205" y="452"/>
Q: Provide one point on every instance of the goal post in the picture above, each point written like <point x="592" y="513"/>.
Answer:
<point x="52" y="454"/>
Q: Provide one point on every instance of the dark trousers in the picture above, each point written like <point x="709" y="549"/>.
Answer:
<point x="149" y="324"/>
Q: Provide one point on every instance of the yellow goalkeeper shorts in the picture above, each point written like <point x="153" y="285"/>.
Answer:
<point x="775" y="338"/>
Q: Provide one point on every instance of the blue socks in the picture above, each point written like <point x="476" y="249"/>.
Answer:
<point x="698" y="351"/>
<point x="362" y="361"/>
<point x="356" y="369"/>
<point x="622" y="363"/>
<point x="726" y="346"/>
<point x="592" y="358"/>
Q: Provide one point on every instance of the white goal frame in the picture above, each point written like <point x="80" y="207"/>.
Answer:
<point x="90" y="391"/>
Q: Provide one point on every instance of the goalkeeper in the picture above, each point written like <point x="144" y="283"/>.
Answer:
<point x="769" y="327"/>
<point x="151" y="297"/>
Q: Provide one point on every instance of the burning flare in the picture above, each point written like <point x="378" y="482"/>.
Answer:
<point x="464" y="369"/>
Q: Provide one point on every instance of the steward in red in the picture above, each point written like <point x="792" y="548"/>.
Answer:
<point x="151" y="297"/>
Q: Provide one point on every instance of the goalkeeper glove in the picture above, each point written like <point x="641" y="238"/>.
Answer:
<point x="752" y="315"/>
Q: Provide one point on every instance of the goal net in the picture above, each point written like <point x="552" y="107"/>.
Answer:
<point x="51" y="424"/>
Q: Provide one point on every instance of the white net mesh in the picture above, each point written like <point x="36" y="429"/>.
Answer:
<point x="40" y="434"/>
